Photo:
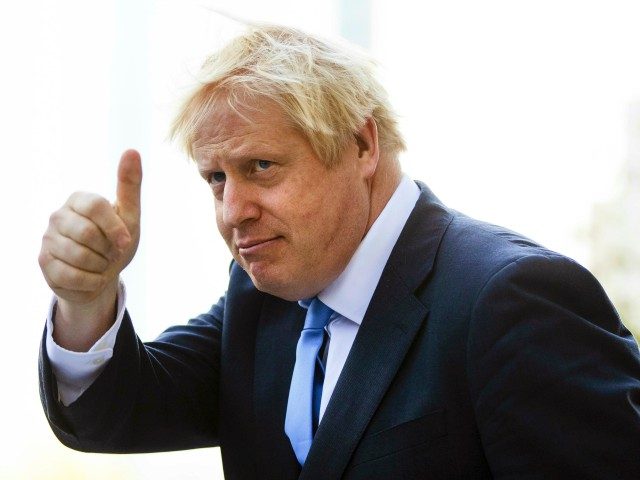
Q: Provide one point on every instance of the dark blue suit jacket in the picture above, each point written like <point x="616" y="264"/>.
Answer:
<point x="481" y="355"/>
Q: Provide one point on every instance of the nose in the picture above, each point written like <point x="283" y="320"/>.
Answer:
<point x="239" y="203"/>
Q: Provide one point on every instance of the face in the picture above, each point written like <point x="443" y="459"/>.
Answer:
<point x="289" y="221"/>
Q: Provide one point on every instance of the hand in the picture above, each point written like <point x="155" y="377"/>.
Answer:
<point x="89" y="242"/>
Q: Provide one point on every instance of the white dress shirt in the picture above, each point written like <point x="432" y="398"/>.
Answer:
<point x="348" y="296"/>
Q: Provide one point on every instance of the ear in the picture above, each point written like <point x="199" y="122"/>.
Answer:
<point x="368" y="151"/>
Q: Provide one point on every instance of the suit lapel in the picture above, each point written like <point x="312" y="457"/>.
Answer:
<point x="392" y="320"/>
<point x="362" y="385"/>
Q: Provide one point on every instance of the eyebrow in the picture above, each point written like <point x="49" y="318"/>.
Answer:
<point x="206" y="172"/>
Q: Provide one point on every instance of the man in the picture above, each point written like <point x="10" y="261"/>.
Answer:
<point x="452" y="348"/>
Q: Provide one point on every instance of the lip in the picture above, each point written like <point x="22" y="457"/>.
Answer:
<point x="254" y="246"/>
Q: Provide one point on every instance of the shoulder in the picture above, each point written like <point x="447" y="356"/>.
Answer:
<point x="497" y="276"/>
<point x="472" y="254"/>
<point x="487" y="244"/>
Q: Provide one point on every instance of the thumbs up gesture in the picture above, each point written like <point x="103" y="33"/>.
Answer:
<point x="87" y="244"/>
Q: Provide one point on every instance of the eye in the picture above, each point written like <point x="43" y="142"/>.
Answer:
<point x="217" y="177"/>
<point x="262" y="165"/>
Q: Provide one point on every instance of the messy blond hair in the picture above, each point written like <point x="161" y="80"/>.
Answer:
<point x="327" y="91"/>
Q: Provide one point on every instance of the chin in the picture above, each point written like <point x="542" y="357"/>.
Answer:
<point x="279" y="285"/>
<point x="267" y="280"/>
<point x="277" y="289"/>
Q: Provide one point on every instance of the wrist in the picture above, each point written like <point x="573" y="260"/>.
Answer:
<point x="77" y="326"/>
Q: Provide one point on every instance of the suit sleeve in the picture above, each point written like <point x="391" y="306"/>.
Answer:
<point x="554" y="376"/>
<point x="156" y="396"/>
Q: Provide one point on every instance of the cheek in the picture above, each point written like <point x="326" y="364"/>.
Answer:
<point x="310" y="220"/>
<point x="347" y="213"/>
<point x="324" y="221"/>
<point x="225" y="231"/>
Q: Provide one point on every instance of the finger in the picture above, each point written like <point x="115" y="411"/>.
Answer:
<point x="129" y="185"/>
<point x="76" y="254"/>
<point x="77" y="227"/>
<point x="101" y="212"/>
<point x="62" y="275"/>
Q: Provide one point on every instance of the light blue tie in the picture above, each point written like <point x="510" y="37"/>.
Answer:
<point x="298" y="424"/>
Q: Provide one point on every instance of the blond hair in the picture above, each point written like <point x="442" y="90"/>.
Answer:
<point x="328" y="91"/>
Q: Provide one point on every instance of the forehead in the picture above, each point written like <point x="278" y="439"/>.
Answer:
<point x="228" y="130"/>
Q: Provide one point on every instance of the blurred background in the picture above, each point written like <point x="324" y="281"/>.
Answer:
<point x="525" y="114"/>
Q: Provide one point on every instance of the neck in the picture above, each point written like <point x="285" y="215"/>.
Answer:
<point x="384" y="182"/>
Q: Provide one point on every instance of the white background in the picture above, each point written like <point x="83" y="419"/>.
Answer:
<point x="514" y="111"/>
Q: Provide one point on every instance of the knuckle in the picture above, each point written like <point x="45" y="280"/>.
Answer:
<point x="87" y="233"/>
<point x="89" y="203"/>
<point x="46" y="238"/>
<point x="77" y="197"/>
<point x="43" y="259"/>
<point x="96" y="206"/>
<point x="58" y="218"/>
<point x="93" y="209"/>
<point x="78" y="256"/>
<point x="54" y="217"/>
<point x="74" y="277"/>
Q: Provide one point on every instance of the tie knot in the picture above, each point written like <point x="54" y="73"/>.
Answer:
<point x="318" y="315"/>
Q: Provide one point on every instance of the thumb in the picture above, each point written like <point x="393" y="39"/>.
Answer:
<point x="128" y="190"/>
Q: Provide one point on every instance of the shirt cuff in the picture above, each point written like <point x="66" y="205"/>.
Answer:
<point x="76" y="371"/>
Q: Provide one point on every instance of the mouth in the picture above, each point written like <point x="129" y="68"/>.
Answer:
<point x="255" y="246"/>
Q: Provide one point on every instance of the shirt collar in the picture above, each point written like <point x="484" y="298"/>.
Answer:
<point x="350" y="293"/>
